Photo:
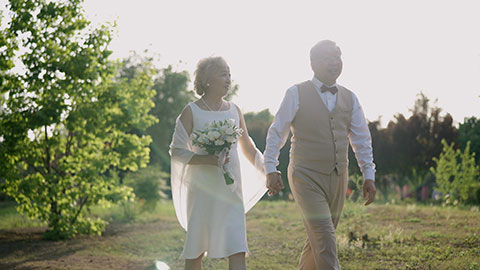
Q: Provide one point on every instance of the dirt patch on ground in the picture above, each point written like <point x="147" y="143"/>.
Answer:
<point x="25" y="249"/>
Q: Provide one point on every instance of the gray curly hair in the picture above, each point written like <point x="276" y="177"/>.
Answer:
<point x="205" y="68"/>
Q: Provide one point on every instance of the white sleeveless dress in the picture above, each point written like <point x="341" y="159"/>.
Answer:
<point x="216" y="216"/>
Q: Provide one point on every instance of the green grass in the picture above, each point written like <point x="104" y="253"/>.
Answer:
<point x="399" y="237"/>
<point x="9" y="218"/>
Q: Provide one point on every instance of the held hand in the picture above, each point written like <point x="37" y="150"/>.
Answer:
<point x="369" y="191"/>
<point x="274" y="183"/>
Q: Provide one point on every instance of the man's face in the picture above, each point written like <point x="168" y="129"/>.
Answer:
<point x="329" y="64"/>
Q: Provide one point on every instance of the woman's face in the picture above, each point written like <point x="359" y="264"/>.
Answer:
<point x="219" y="81"/>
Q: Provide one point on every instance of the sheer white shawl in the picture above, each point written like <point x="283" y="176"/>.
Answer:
<point x="249" y="180"/>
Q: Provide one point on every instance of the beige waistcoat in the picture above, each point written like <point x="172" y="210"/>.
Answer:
<point x="320" y="137"/>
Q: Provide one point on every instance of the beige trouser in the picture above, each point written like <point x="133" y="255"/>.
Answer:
<point x="321" y="198"/>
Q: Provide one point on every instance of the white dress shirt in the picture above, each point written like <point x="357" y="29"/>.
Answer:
<point x="359" y="135"/>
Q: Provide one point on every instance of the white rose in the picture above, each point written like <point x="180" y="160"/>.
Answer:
<point x="213" y="135"/>
<point x="229" y="131"/>
<point x="203" y="138"/>
<point x="219" y="142"/>
<point x="223" y="128"/>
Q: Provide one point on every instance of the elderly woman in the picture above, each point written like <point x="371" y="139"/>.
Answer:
<point x="212" y="212"/>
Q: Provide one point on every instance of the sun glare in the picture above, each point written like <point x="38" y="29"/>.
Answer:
<point x="161" y="266"/>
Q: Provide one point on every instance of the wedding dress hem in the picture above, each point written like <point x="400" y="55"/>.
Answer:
<point x="247" y="253"/>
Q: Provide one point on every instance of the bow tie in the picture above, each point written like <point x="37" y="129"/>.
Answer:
<point x="332" y="89"/>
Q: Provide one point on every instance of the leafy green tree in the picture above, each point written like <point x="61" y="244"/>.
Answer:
<point x="457" y="174"/>
<point x="6" y="63"/>
<point x="468" y="177"/>
<point x="257" y="125"/>
<point x="171" y="96"/>
<point x="383" y="158"/>
<point x="417" y="140"/>
<point x="469" y="131"/>
<point x="66" y="124"/>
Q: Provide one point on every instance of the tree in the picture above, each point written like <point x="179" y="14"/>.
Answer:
<point x="67" y="119"/>
<point x="171" y="96"/>
<point x="457" y="174"/>
<point x="404" y="150"/>
<point x="383" y="158"/>
<point x="258" y="124"/>
<point x="469" y="131"/>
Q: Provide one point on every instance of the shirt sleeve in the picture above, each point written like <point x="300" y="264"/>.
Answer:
<point x="280" y="128"/>
<point x="361" y="140"/>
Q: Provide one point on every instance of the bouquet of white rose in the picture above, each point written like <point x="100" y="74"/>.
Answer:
<point x="216" y="139"/>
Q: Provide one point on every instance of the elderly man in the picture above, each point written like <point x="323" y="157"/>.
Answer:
<point x="324" y="118"/>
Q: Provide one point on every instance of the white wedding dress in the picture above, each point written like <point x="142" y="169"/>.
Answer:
<point x="211" y="212"/>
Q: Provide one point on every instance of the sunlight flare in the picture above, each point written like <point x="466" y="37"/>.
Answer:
<point x="161" y="266"/>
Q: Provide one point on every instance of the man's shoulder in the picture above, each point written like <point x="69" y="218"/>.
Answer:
<point x="341" y="87"/>
<point x="292" y="90"/>
<point x="304" y="83"/>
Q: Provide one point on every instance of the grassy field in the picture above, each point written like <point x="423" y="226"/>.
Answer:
<point x="399" y="237"/>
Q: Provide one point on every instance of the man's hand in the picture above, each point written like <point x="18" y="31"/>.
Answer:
<point x="369" y="191"/>
<point x="274" y="183"/>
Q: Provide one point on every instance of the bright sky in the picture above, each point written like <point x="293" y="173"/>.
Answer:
<point x="392" y="50"/>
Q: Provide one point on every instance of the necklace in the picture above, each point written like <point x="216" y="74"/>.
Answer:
<point x="204" y="102"/>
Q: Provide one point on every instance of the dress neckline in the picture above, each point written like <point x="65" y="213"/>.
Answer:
<point x="198" y="107"/>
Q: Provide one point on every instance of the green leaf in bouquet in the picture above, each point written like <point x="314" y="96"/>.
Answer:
<point x="228" y="179"/>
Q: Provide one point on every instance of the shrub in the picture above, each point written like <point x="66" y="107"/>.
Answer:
<point x="149" y="186"/>
<point x="457" y="174"/>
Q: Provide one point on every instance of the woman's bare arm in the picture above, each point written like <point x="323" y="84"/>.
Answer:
<point x="248" y="148"/>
